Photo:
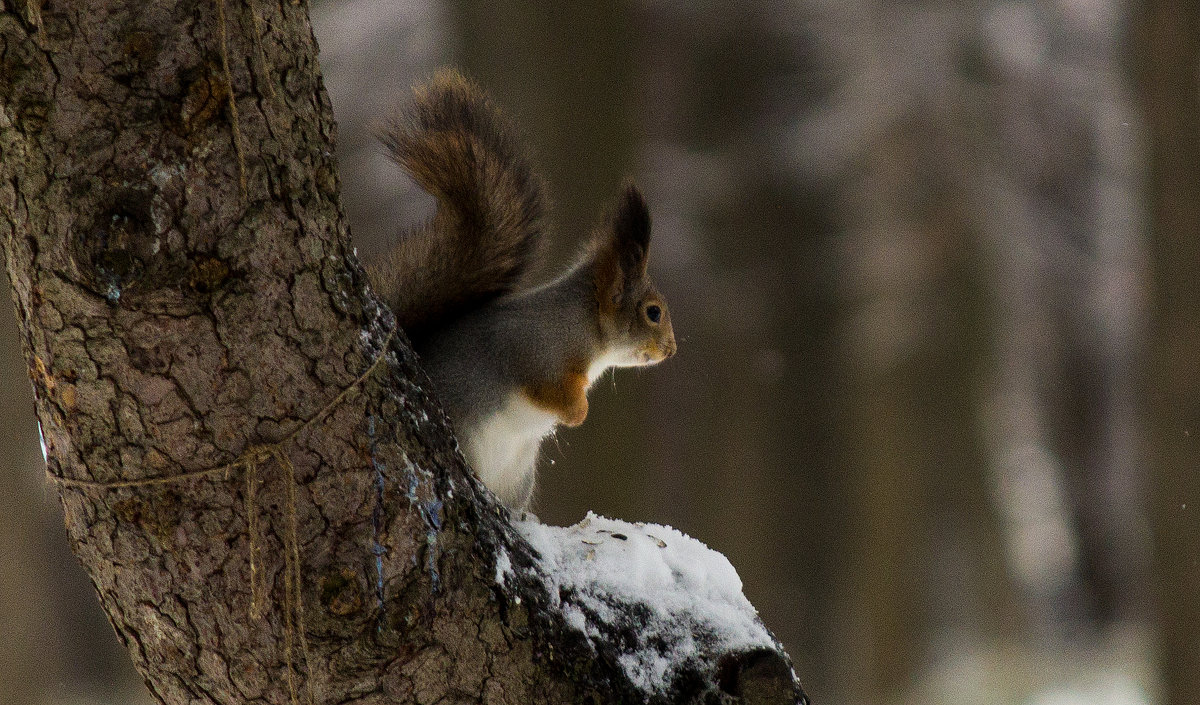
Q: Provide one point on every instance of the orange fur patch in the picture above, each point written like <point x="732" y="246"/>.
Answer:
<point x="566" y="397"/>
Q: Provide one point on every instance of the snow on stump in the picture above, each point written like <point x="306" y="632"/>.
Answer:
<point x="666" y="608"/>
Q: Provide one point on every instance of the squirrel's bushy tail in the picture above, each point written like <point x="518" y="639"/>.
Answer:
<point x="488" y="226"/>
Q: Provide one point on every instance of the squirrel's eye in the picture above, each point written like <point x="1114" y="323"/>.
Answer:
<point x="654" y="313"/>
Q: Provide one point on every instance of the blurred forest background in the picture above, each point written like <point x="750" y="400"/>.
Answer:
<point x="932" y="265"/>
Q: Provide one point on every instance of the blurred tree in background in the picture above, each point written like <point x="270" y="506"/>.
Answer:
<point x="916" y="254"/>
<point x="1169" y="71"/>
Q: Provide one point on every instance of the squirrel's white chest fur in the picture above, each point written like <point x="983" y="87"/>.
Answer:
<point x="503" y="448"/>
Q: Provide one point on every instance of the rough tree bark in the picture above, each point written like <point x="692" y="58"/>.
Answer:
<point x="269" y="503"/>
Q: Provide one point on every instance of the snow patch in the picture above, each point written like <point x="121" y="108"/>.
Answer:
<point x="503" y="566"/>
<point x="42" y="440"/>
<point x="679" y="599"/>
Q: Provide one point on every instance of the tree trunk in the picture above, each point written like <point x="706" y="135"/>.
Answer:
<point x="269" y="503"/>
<point x="1169" y="68"/>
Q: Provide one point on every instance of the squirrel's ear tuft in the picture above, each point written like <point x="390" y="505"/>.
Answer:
<point x="621" y="248"/>
<point x="631" y="232"/>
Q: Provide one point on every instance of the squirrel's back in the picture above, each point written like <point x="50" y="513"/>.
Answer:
<point x="487" y="230"/>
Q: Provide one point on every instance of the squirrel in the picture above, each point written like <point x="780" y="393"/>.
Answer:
<point x="508" y="361"/>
